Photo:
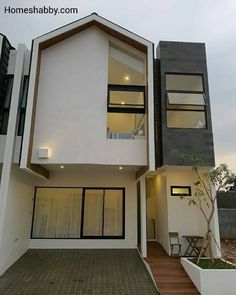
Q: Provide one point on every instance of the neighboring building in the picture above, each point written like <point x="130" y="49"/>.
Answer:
<point x="93" y="134"/>
<point x="226" y="203"/>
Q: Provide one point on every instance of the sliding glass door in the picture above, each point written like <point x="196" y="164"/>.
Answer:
<point x="93" y="213"/>
<point x="57" y="213"/>
<point x="103" y="213"/>
<point x="64" y="213"/>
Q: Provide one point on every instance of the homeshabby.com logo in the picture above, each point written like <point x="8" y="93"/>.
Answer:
<point x="40" y="10"/>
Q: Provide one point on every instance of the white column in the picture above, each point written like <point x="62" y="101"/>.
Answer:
<point x="143" y="215"/>
<point x="216" y="231"/>
<point x="10" y="141"/>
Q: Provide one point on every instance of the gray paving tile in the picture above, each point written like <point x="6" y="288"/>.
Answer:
<point x="83" y="272"/>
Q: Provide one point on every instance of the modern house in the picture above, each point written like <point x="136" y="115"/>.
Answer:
<point x="94" y="125"/>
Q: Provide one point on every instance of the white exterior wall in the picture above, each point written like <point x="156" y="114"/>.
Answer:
<point x="2" y="147"/>
<point x="18" y="216"/>
<point x="157" y="208"/>
<point x="143" y="216"/>
<point x="15" y="191"/>
<point x="17" y="147"/>
<point x="94" y="176"/>
<point x="182" y="218"/>
<point x="71" y="116"/>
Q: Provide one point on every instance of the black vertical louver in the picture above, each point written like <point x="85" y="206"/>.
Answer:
<point x="4" y="85"/>
<point x="157" y="114"/>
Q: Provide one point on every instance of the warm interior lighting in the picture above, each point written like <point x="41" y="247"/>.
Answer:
<point x="180" y="190"/>
<point x="120" y="168"/>
<point x="122" y="102"/>
<point x="61" y="166"/>
<point x="127" y="78"/>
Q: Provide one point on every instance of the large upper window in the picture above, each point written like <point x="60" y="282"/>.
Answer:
<point x="126" y="94"/>
<point x="186" y="107"/>
<point x="125" y="68"/>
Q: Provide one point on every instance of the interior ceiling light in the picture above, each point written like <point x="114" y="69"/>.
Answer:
<point x="127" y="78"/>
<point x="120" y="168"/>
<point x="61" y="166"/>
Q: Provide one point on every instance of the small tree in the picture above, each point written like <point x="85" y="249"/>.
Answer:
<point x="220" y="178"/>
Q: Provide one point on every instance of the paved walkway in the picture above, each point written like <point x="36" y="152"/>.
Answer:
<point x="84" y="272"/>
<point x="168" y="272"/>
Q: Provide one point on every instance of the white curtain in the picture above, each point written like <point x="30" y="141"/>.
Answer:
<point x="57" y="213"/>
<point x="93" y="211"/>
<point x="113" y="213"/>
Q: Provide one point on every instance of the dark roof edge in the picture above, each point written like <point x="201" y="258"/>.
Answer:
<point x="187" y="42"/>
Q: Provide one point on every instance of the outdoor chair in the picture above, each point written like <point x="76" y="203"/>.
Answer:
<point x="175" y="245"/>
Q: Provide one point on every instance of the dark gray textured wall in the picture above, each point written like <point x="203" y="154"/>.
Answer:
<point x="190" y="58"/>
<point x="226" y="200"/>
<point x="227" y="223"/>
<point x="226" y="203"/>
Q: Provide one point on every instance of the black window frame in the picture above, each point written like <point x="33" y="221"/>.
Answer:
<point x="189" y="194"/>
<point x="193" y="107"/>
<point x="22" y="107"/>
<point x="82" y="237"/>
<point x="129" y="108"/>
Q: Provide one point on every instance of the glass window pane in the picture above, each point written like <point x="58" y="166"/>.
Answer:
<point x="185" y="107"/>
<point x="57" y="213"/>
<point x="21" y="123"/>
<point x="93" y="212"/>
<point x="124" y="99"/>
<point x="184" y="82"/>
<point x="180" y="191"/>
<point x="186" y="98"/>
<point x="124" y="68"/>
<point x="23" y="94"/>
<point x="8" y="92"/>
<point x="125" y="126"/>
<point x="4" y="121"/>
<point x="186" y="119"/>
<point x="113" y="213"/>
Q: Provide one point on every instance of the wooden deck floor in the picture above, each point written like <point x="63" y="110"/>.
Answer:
<point x="168" y="272"/>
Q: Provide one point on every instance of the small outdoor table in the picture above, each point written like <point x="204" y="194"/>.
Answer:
<point x="192" y="244"/>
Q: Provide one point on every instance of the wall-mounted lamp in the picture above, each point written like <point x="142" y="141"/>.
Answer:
<point x="43" y="153"/>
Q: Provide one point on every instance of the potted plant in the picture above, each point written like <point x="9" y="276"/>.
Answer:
<point x="211" y="276"/>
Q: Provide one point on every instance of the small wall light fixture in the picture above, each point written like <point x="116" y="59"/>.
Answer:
<point x="43" y="153"/>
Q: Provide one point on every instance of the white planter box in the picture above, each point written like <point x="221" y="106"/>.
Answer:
<point x="211" y="281"/>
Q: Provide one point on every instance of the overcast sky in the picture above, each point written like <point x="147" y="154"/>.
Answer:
<point x="209" y="21"/>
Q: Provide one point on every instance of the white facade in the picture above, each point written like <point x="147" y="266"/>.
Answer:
<point x="67" y="119"/>
<point x="68" y="78"/>
<point x="76" y="79"/>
